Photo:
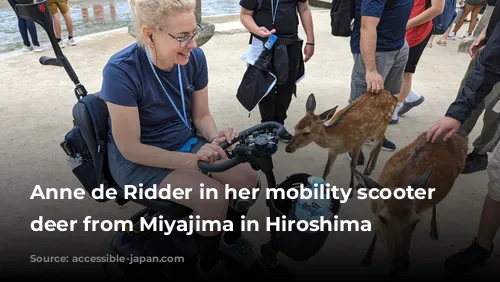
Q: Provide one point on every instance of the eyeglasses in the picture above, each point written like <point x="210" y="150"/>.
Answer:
<point x="184" y="41"/>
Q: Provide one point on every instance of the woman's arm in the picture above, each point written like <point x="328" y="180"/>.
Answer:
<point x="127" y="135"/>
<point x="246" y="18"/>
<point x="435" y="10"/>
<point x="306" y="19"/>
<point x="201" y="116"/>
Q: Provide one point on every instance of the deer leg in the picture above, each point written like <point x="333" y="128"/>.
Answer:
<point x="354" y="163"/>
<point x="367" y="259"/>
<point x="372" y="161"/>
<point x="434" y="232"/>
<point x="332" y="156"/>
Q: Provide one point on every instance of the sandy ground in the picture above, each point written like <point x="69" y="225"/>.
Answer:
<point x="36" y="103"/>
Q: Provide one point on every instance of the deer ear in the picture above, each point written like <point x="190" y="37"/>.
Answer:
<point x="423" y="180"/>
<point x="326" y="115"/>
<point x="311" y="103"/>
<point x="365" y="180"/>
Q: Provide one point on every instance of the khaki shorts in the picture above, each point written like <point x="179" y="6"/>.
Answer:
<point x="58" y="5"/>
<point x="494" y="174"/>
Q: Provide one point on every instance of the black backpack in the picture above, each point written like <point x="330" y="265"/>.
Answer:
<point x="342" y="16"/>
<point x="86" y="144"/>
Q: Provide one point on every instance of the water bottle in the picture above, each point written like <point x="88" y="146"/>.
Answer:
<point x="313" y="208"/>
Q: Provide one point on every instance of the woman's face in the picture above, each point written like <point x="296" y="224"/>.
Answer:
<point x="174" y="40"/>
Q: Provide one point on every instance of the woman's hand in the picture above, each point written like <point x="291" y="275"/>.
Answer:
<point x="209" y="153"/>
<point x="227" y="134"/>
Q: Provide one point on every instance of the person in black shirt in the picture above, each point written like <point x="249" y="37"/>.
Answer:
<point x="279" y="17"/>
<point x="477" y="160"/>
<point x="484" y="76"/>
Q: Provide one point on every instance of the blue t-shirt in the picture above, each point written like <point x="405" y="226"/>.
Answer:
<point x="392" y="26"/>
<point x="128" y="80"/>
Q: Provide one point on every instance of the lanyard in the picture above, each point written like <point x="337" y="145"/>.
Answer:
<point x="184" y="119"/>
<point x="274" y="11"/>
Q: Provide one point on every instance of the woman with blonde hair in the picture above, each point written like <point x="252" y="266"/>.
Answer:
<point x="160" y="123"/>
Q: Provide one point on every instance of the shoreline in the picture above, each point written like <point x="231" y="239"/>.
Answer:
<point x="223" y="21"/>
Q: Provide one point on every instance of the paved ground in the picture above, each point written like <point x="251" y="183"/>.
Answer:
<point x="36" y="110"/>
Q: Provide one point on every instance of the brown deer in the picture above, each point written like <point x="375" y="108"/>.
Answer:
<point x="364" y="119"/>
<point x="420" y="164"/>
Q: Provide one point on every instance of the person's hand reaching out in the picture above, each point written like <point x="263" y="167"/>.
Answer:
<point x="445" y="125"/>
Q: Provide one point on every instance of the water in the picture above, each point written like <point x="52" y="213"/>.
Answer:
<point x="88" y="17"/>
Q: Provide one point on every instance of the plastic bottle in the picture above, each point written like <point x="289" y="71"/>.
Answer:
<point x="313" y="208"/>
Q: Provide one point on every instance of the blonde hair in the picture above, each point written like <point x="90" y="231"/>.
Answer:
<point x="153" y="12"/>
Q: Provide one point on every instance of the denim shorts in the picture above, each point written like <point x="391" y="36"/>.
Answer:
<point x="126" y="172"/>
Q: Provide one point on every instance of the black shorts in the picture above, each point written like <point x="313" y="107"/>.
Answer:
<point x="415" y="54"/>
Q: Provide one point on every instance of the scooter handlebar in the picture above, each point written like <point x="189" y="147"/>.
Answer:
<point x="270" y="125"/>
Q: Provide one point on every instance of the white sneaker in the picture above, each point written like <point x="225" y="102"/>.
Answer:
<point x="467" y="35"/>
<point x="39" y="48"/>
<point x="71" y="41"/>
<point x="61" y="44"/>
<point x="27" y="49"/>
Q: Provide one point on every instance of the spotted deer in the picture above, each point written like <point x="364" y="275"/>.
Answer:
<point x="420" y="164"/>
<point x="364" y="119"/>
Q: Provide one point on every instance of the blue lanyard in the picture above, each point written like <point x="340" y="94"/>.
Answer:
<point x="184" y="119"/>
<point x="274" y="11"/>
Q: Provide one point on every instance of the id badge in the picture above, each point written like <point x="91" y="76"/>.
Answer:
<point x="270" y="42"/>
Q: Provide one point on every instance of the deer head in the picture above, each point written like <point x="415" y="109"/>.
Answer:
<point x="308" y="129"/>
<point x="396" y="220"/>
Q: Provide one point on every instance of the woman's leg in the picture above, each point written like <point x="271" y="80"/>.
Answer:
<point x="442" y="40"/>
<point x="32" y="29"/>
<point x="241" y="176"/>
<point x="207" y="242"/>
<point x="23" y="29"/>
<point x="467" y="9"/>
<point x="21" y="23"/>
<point x="473" y="20"/>
<point x="233" y="243"/>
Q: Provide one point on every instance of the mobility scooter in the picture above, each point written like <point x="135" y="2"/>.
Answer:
<point x="85" y="147"/>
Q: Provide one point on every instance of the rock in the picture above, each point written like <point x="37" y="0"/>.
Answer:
<point x="206" y="34"/>
<point x="464" y="45"/>
<point x="131" y="29"/>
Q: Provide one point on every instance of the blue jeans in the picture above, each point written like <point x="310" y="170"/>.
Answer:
<point x="24" y="27"/>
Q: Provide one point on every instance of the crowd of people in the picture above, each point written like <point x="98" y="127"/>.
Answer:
<point x="56" y="8"/>
<point x="152" y="141"/>
<point x="161" y="126"/>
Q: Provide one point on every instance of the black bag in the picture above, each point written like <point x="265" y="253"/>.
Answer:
<point x="85" y="144"/>
<point x="342" y="15"/>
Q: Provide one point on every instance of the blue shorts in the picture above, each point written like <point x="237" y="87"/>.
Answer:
<point x="126" y="172"/>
